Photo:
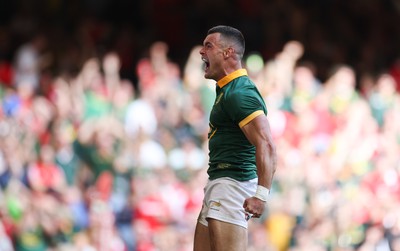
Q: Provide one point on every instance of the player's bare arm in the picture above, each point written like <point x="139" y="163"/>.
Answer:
<point x="258" y="132"/>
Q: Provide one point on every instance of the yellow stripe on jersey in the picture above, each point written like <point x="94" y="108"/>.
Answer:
<point x="249" y="118"/>
<point x="228" y="78"/>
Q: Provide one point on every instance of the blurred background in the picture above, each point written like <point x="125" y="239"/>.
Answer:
<point x="104" y="120"/>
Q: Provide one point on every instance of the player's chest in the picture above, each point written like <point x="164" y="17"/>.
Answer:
<point x="219" y="115"/>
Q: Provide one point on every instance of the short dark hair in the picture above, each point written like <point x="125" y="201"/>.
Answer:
<point x="232" y="34"/>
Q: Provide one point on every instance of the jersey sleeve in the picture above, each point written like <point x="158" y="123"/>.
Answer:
<point x="244" y="106"/>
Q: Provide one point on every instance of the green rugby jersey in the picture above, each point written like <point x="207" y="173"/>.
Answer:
<point x="237" y="102"/>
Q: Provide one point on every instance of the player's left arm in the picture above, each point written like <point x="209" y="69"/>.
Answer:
<point x="258" y="133"/>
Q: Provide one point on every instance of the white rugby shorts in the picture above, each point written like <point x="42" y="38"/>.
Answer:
<point x="224" y="198"/>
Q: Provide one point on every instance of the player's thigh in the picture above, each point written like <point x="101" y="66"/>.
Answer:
<point x="201" y="238"/>
<point x="226" y="236"/>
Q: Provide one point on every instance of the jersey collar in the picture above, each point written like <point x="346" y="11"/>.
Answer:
<point x="231" y="76"/>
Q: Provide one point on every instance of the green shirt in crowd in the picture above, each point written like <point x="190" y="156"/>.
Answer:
<point x="237" y="102"/>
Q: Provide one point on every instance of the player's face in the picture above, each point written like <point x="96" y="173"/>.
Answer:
<point x="212" y="56"/>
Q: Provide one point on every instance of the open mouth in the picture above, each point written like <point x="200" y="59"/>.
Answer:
<point x="206" y="64"/>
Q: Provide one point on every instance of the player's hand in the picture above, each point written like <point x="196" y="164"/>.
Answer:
<point x="254" y="206"/>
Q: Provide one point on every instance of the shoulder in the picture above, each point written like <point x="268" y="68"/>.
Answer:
<point x="240" y="88"/>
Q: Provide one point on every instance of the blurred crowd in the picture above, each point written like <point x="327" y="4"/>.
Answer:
<point x="103" y="137"/>
<point x="89" y="163"/>
<point x="93" y="161"/>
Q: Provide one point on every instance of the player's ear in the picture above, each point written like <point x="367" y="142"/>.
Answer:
<point x="228" y="52"/>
